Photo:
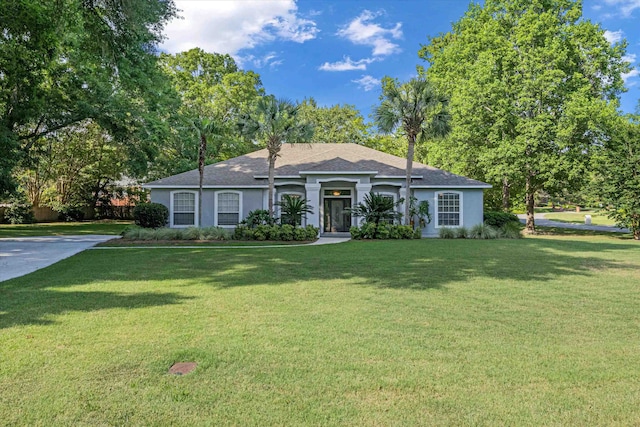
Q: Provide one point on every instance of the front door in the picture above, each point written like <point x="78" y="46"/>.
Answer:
<point x="336" y="220"/>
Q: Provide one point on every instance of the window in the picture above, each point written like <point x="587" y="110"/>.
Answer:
<point x="449" y="208"/>
<point x="183" y="209"/>
<point x="228" y="208"/>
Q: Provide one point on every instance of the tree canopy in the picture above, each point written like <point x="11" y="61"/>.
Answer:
<point x="617" y="174"/>
<point x="335" y="124"/>
<point x="532" y="86"/>
<point x="65" y="61"/>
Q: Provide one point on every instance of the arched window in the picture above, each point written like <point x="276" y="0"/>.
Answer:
<point x="448" y="209"/>
<point x="183" y="209"/>
<point x="228" y="208"/>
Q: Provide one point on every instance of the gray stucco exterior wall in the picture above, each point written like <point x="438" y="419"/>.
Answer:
<point x="471" y="206"/>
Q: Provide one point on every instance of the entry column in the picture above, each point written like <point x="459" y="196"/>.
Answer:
<point x="313" y="195"/>
<point x="361" y="191"/>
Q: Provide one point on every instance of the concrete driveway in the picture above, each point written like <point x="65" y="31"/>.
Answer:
<point x="23" y="255"/>
<point x="542" y="221"/>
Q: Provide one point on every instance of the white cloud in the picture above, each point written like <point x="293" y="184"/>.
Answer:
<point x="628" y="76"/>
<point x="614" y="36"/>
<point x="347" y="64"/>
<point x="270" y="59"/>
<point x="626" y="7"/>
<point x="363" y="31"/>
<point x="228" y="26"/>
<point x="367" y="82"/>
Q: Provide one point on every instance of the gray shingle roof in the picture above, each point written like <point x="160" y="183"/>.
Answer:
<point x="242" y="171"/>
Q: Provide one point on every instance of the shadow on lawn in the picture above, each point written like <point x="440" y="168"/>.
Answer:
<point x="418" y="265"/>
<point x="33" y="305"/>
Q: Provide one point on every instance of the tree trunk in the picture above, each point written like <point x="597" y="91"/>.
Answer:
<point x="272" y="166"/>
<point x="412" y="142"/>
<point x="201" y="155"/>
<point x="506" y="194"/>
<point x="530" y="202"/>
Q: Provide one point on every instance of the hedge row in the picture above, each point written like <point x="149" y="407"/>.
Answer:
<point x="276" y="232"/>
<point x="383" y="231"/>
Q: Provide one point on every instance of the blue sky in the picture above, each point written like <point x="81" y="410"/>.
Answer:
<point x="337" y="51"/>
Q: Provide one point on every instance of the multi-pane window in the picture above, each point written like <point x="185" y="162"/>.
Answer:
<point x="448" y="209"/>
<point x="184" y="209"/>
<point x="228" y="207"/>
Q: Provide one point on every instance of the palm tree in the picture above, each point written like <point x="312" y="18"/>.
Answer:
<point x="205" y="128"/>
<point x="293" y="209"/>
<point x="275" y="122"/>
<point x="419" y="111"/>
<point x="375" y="208"/>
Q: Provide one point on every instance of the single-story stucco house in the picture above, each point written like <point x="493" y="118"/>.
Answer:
<point x="331" y="176"/>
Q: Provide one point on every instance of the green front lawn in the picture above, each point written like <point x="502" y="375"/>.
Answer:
<point x="63" y="228"/>
<point x="537" y="331"/>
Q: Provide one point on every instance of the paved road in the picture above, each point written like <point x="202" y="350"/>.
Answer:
<point x="24" y="255"/>
<point x="540" y="220"/>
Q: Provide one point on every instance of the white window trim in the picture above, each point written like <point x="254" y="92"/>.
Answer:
<point x="435" y="208"/>
<point x="215" y="207"/>
<point x="195" y="212"/>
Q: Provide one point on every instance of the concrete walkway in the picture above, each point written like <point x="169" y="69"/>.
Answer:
<point x="24" y="255"/>
<point x="542" y="221"/>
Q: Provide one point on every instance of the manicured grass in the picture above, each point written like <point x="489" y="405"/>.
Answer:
<point x="578" y="218"/>
<point x="538" y="331"/>
<point x="63" y="228"/>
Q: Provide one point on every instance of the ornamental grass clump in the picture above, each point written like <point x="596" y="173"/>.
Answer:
<point x="510" y="230"/>
<point x="461" y="233"/>
<point x="215" y="233"/>
<point x="168" y="234"/>
<point x="483" y="231"/>
<point x="446" y="233"/>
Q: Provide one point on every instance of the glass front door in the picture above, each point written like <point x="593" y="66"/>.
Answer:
<point x="336" y="220"/>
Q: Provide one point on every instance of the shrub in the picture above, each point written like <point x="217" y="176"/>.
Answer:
<point x="498" y="219"/>
<point x="238" y="232"/>
<point x="274" y="232"/>
<point x="19" y="213"/>
<point x="356" y="232"/>
<point x="383" y="231"/>
<point x="407" y="232"/>
<point x="261" y="232"/>
<point x="286" y="232"/>
<point x="510" y="230"/>
<point x="394" y="232"/>
<point x="446" y="233"/>
<point x="461" y="233"/>
<point x="259" y="217"/>
<point x="299" y="234"/>
<point x="151" y="215"/>
<point x="70" y="213"/>
<point x="368" y="230"/>
<point x="312" y="232"/>
<point x="483" y="231"/>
